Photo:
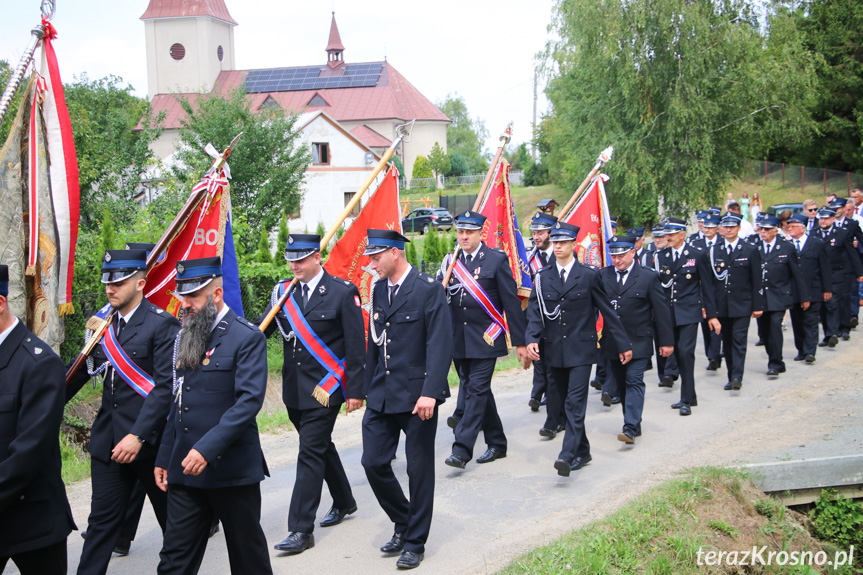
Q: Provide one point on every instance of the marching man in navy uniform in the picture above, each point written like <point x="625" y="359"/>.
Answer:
<point x="409" y="353"/>
<point x="481" y="290"/>
<point x="737" y="284"/>
<point x="781" y="280"/>
<point x="35" y="518"/>
<point x="135" y="357"/>
<point x="210" y="461"/>
<point x="844" y="265"/>
<point x="541" y="256"/>
<point x="685" y="274"/>
<point x="324" y="352"/>
<point x="815" y="263"/>
<point x="638" y="300"/>
<point x="709" y="227"/>
<point x="562" y="314"/>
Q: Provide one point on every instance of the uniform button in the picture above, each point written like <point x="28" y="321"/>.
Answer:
<point x="561" y="299"/>
<point x="299" y="363"/>
<point x="217" y="364"/>
<point x="134" y="353"/>
<point x="389" y="341"/>
<point x="185" y="430"/>
<point x="387" y="372"/>
<point x="388" y="357"/>
<point x="188" y="388"/>
<point x="564" y="337"/>
<point x="115" y="406"/>
<point x="22" y="497"/>
<point x="186" y="410"/>
<point x="388" y="324"/>
<point x="465" y="323"/>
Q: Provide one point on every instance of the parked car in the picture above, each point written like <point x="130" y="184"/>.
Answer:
<point x="777" y="209"/>
<point x="424" y="219"/>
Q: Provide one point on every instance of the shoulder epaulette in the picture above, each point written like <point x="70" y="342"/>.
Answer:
<point x="36" y="347"/>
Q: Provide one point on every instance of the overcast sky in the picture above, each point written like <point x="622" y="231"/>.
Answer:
<point x="484" y="51"/>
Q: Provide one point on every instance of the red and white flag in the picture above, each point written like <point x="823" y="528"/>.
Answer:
<point x="346" y="259"/>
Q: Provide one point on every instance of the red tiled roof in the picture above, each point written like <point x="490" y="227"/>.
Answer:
<point x="370" y="138"/>
<point x="180" y="8"/>
<point x="335" y="42"/>
<point x="393" y="98"/>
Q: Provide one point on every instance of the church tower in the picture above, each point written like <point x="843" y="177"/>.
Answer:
<point x="188" y="43"/>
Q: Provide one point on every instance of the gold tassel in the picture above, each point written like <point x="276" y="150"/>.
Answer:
<point x="321" y="396"/>
<point x="30" y="271"/>
<point x="66" y="309"/>
<point x="487" y="338"/>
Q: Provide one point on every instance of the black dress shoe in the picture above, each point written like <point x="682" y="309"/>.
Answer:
<point x="799" y="357"/>
<point x="84" y="534"/>
<point x="296" y="542"/>
<point x="781" y="369"/>
<point x="759" y="343"/>
<point x="121" y="549"/>
<point x="549" y="433"/>
<point x="666" y="382"/>
<point x="533" y="404"/>
<point x="712" y="366"/>
<point x="563" y="467"/>
<point x="810" y="359"/>
<point x="854" y="322"/>
<point x="409" y="560"/>
<point x="544" y="400"/>
<point x="580" y="462"/>
<point x="772" y="373"/>
<point x="606" y="399"/>
<point x="823" y="343"/>
<point x="685" y="410"/>
<point x="845" y="336"/>
<point x="736" y="384"/>
<point x="455" y="461"/>
<point x="680" y="404"/>
<point x="832" y="341"/>
<point x="491" y="454"/>
<point x="626" y="437"/>
<point x="214" y="527"/>
<point x="595" y="384"/>
<point x="394" y="545"/>
<point x="727" y="386"/>
<point x="615" y="400"/>
<point x="452" y="422"/>
<point x="335" y="515"/>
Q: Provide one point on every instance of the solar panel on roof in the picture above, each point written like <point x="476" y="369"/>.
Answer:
<point x="308" y="78"/>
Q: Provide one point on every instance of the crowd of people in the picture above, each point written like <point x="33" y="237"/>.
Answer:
<point x="179" y="401"/>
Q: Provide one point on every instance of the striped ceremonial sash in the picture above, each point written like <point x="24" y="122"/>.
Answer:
<point x="472" y="287"/>
<point x="535" y="262"/>
<point x="136" y="377"/>
<point x="320" y="351"/>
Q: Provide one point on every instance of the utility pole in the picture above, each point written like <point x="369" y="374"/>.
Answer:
<point x="533" y="143"/>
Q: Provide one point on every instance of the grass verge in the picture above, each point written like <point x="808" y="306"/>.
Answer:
<point x="666" y="530"/>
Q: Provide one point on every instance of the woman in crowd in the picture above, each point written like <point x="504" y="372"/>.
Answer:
<point x="755" y="206"/>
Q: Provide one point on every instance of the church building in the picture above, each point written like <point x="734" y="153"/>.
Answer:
<point x="190" y="51"/>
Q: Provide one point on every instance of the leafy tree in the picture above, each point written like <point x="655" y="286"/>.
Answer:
<point x="458" y="165"/>
<point x="107" y="230"/>
<point x="268" y="166"/>
<point x="411" y="254"/>
<point x="263" y="254"/>
<point x="518" y="157"/>
<point x="684" y="90"/>
<point x="321" y="231"/>
<point x="465" y="135"/>
<point x="113" y="149"/>
<point x="438" y="161"/>
<point x="283" y="235"/>
<point x="399" y="165"/>
<point x="6" y="75"/>
<point x="422" y="168"/>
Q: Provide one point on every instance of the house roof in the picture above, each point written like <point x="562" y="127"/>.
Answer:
<point x="370" y="138"/>
<point x="335" y="42"/>
<point x="188" y="8"/>
<point x="391" y="98"/>
<point x="308" y="117"/>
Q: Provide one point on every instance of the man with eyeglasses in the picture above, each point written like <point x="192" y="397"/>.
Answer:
<point x="810" y="210"/>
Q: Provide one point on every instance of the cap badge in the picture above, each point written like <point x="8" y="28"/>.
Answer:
<point x="107" y="257"/>
<point x="180" y="268"/>
<point x="290" y="239"/>
<point x="557" y="225"/>
<point x="467" y="214"/>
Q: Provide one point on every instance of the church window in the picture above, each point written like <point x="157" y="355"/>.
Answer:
<point x="178" y="51"/>
<point x="321" y="154"/>
<point x="220" y="53"/>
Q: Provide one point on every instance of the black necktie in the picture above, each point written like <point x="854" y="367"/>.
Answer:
<point x="675" y="254"/>
<point x="797" y="245"/>
<point x="468" y="258"/>
<point x="766" y="249"/>
<point x="563" y="277"/>
<point x="393" y="290"/>
<point x="620" y="277"/>
<point x="121" y="323"/>
<point x="543" y="257"/>
<point x="728" y="248"/>
<point x="305" y="295"/>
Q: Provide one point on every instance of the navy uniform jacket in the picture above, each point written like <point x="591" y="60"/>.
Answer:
<point x="647" y="258"/>
<point x="853" y="228"/>
<point x="701" y="243"/>
<point x="34" y="512"/>
<point x="642" y="308"/>
<point x="844" y="260"/>
<point x="217" y="417"/>
<point x="740" y="293"/>
<point x="782" y="278"/>
<point x="689" y="286"/>
<point x="570" y="339"/>
<point x="414" y="356"/>
<point x="491" y="269"/>
<point x="148" y="340"/>
<point x="334" y="313"/>
<point x="694" y="237"/>
<point x="815" y="264"/>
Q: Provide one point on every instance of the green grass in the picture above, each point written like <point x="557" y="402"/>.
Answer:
<point x="76" y="463"/>
<point x="273" y="421"/>
<point x="658" y="533"/>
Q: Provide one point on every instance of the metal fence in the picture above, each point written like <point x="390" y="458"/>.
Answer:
<point x="803" y="177"/>
<point x="515" y="179"/>
<point x="457" y="204"/>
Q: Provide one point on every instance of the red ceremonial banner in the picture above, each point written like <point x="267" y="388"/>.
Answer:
<point x="501" y="229"/>
<point x="346" y="259"/>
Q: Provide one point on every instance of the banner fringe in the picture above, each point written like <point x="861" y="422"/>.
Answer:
<point x="65" y="309"/>
<point x="321" y="396"/>
<point x="30" y="271"/>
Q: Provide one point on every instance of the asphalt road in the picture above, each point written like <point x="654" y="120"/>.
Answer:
<point x="488" y="514"/>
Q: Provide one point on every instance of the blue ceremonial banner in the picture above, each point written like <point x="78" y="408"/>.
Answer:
<point x="231" y="271"/>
